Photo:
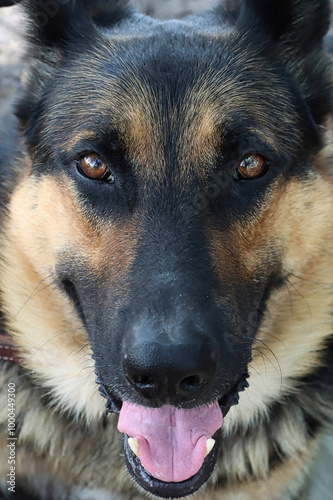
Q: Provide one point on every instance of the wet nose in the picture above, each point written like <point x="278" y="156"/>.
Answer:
<point x="170" y="372"/>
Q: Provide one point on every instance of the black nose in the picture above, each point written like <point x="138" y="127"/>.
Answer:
<point x="171" y="372"/>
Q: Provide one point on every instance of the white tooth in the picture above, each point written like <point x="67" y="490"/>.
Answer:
<point x="209" y="446"/>
<point x="134" y="445"/>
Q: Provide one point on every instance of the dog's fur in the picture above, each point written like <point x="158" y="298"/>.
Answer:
<point x="173" y="107"/>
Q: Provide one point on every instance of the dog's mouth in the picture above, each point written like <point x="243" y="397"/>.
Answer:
<point x="171" y="489"/>
<point x="171" y="452"/>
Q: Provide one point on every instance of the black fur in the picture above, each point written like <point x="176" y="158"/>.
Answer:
<point x="266" y="74"/>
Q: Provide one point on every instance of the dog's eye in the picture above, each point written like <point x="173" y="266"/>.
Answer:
<point x="93" y="167"/>
<point x="252" y="167"/>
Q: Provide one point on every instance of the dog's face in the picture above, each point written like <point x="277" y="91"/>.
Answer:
<point x="172" y="191"/>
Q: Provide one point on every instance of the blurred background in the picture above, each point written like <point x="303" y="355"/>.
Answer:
<point x="11" y="54"/>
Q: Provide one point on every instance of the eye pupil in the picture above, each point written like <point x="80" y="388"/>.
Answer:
<point x="252" y="166"/>
<point x="93" y="167"/>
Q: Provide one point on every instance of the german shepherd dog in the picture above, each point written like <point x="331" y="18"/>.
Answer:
<point x="167" y="253"/>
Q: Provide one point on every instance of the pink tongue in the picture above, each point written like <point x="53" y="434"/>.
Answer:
<point x="172" y="442"/>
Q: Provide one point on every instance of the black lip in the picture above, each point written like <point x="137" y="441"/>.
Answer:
<point x="114" y="404"/>
<point x="171" y="490"/>
<point x="232" y="397"/>
<point x="185" y="488"/>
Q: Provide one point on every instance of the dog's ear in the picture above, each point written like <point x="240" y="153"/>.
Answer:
<point x="56" y="30"/>
<point x="297" y="24"/>
<point x="296" y="29"/>
<point x="55" y="23"/>
<point x="106" y="13"/>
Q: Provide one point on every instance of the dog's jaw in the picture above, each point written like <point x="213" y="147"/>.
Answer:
<point x="172" y="489"/>
<point x="169" y="487"/>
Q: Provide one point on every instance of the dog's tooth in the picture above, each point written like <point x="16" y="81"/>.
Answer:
<point x="209" y="446"/>
<point x="134" y="445"/>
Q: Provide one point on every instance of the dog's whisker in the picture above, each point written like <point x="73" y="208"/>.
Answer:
<point x="257" y="372"/>
<point x="169" y="180"/>
<point x="35" y="292"/>
<point x="66" y="332"/>
<point x="290" y="297"/>
<point x="278" y="370"/>
<point x="302" y="278"/>
<point x="302" y="297"/>
<point x="275" y="337"/>
<point x="256" y="349"/>
<point x="90" y="374"/>
<point x="78" y="349"/>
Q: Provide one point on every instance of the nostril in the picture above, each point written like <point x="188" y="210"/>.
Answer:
<point x="192" y="383"/>
<point x="169" y="373"/>
<point x="144" y="381"/>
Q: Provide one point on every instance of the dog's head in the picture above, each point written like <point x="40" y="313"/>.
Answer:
<point x="173" y="187"/>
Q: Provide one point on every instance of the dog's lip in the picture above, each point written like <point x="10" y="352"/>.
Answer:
<point x="113" y="405"/>
<point x="185" y="488"/>
<point x="171" y="490"/>
<point x="231" y="398"/>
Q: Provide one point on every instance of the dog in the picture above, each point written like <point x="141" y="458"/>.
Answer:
<point x="166" y="265"/>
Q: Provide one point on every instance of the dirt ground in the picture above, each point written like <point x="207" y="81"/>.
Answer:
<point x="11" y="54"/>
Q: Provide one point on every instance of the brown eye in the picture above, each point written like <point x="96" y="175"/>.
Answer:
<point x="252" y="166"/>
<point x="93" y="167"/>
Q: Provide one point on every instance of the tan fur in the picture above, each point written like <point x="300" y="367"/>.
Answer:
<point x="135" y="113"/>
<point x="44" y="324"/>
<point x="75" y="139"/>
<point x="295" y="216"/>
<point x="93" y="458"/>
<point x="283" y="483"/>
<point x="56" y="346"/>
<point x="66" y="438"/>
